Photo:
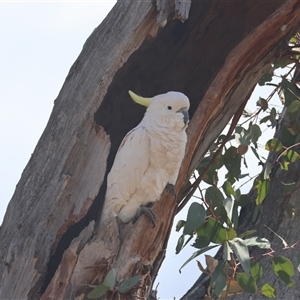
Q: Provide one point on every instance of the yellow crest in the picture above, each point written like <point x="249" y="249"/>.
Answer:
<point x="140" y="100"/>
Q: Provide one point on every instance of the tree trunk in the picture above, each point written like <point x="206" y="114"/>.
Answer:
<point x="50" y="245"/>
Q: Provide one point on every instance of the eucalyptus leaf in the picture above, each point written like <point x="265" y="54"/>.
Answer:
<point x="240" y="249"/>
<point x="283" y="268"/>
<point x="227" y="202"/>
<point x="180" y="224"/>
<point x="195" y="217"/>
<point x="274" y="145"/>
<point x="98" y="291"/>
<point x="256" y="271"/>
<point x="197" y="253"/>
<point x="228" y="189"/>
<point x="268" y="290"/>
<point x="262" y="243"/>
<point x="255" y="133"/>
<point x="179" y="245"/>
<point x="247" y="283"/>
<point x="262" y="187"/>
<point x="226" y="251"/>
<point x="213" y="196"/>
<point x="110" y="278"/>
<point x="217" y="272"/>
<point x="129" y="283"/>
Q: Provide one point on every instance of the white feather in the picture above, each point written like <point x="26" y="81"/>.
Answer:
<point x="148" y="158"/>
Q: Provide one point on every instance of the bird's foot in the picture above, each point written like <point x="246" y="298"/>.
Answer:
<point x="170" y="188"/>
<point x="146" y="211"/>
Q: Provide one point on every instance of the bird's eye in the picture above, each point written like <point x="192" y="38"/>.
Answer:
<point x="169" y="107"/>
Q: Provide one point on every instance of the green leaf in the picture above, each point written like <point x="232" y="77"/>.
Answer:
<point x="263" y="103"/>
<point x="129" y="283"/>
<point x="228" y="189"/>
<point x="201" y="242"/>
<point x="281" y="63"/>
<point x="288" y="92"/>
<point x="98" y="291"/>
<point x="243" y="175"/>
<point x="262" y="243"/>
<point x="220" y="284"/>
<point x="283" y="268"/>
<point x="210" y="176"/>
<point x="287" y="138"/>
<point x="240" y="249"/>
<point x="110" y="278"/>
<point x="227" y="202"/>
<point x="256" y="271"/>
<point x="219" y="268"/>
<point x="243" y="200"/>
<point x="293" y="40"/>
<point x="265" y="78"/>
<point x="226" y="251"/>
<point x="268" y="290"/>
<point x="195" y="217"/>
<point x="294" y="107"/>
<point x="215" y="232"/>
<point x="264" y="120"/>
<point x="273" y="145"/>
<point x="255" y="132"/>
<point x="188" y="240"/>
<point x="267" y="170"/>
<point x="197" y="253"/>
<point x="221" y="214"/>
<point x="273" y="115"/>
<point x="242" y="136"/>
<point x="247" y="283"/>
<point x="179" y="245"/>
<point x="284" y="165"/>
<point x="232" y="162"/>
<point x="235" y="215"/>
<point x="262" y="187"/>
<point x="247" y="112"/>
<point x="180" y="224"/>
<point x="290" y="155"/>
<point x="213" y="196"/>
<point x="247" y="233"/>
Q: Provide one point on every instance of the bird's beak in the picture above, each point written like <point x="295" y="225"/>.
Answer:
<point x="185" y="113"/>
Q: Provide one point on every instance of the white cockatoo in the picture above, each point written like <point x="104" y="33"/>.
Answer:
<point x="148" y="158"/>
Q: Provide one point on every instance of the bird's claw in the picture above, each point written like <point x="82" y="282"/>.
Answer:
<point x="170" y="188"/>
<point x="146" y="211"/>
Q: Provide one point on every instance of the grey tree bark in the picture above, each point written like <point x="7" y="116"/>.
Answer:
<point x="50" y="246"/>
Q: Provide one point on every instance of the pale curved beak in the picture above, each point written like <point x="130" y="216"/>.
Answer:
<point x="185" y="113"/>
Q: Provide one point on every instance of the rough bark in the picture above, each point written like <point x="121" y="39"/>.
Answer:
<point x="50" y="247"/>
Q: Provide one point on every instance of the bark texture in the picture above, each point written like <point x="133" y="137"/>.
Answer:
<point x="51" y="247"/>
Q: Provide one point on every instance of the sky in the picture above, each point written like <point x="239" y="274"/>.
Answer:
<point x="39" y="41"/>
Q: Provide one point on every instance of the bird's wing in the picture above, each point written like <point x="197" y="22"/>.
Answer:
<point x="131" y="162"/>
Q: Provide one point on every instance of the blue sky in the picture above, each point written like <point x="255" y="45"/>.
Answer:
<point x="38" y="44"/>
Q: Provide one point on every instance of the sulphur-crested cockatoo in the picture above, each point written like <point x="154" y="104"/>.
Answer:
<point x="148" y="158"/>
